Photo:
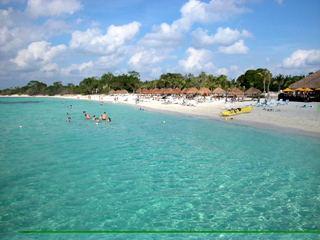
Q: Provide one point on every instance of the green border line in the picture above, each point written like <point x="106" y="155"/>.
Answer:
<point x="169" y="231"/>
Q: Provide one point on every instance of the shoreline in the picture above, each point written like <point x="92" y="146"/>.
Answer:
<point x="291" y="118"/>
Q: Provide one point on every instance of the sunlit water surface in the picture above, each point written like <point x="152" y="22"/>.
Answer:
<point x="148" y="171"/>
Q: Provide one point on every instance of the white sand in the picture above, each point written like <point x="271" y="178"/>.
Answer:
<point x="289" y="118"/>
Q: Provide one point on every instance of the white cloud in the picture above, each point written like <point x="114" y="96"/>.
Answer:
<point x="38" y="8"/>
<point x="279" y="1"/>
<point x="94" y="42"/>
<point x="225" y="36"/>
<point x="147" y="58"/>
<point x="165" y="35"/>
<point x="214" y="11"/>
<point x="196" y="59"/>
<point x="193" y="11"/>
<point x="302" y="58"/>
<point x="37" y="55"/>
<point x="83" y="69"/>
<point x="236" y="48"/>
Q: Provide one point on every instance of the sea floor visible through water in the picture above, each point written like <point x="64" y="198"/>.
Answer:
<point x="147" y="171"/>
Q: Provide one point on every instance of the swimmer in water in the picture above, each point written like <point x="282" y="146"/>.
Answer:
<point x="69" y="118"/>
<point x="95" y="118"/>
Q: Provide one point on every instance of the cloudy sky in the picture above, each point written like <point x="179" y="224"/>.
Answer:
<point x="69" y="40"/>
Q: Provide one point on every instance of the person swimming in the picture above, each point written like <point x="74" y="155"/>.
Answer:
<point x="95" y="118"/>
<point x="69" y="118"/>
<point x="87" y="116"/>
<point x="109" y="120"/>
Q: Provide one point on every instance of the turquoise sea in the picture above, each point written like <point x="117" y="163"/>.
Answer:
<point x="147" y="171"/>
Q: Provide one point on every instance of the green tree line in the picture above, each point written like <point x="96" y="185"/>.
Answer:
<point x="260" y="78"/>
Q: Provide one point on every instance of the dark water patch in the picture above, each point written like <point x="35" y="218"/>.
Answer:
<point x="7" y="102"/>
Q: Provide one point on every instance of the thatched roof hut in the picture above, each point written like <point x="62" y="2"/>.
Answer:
<point x="138" y="90"/>
<point x="311" y="81"/>
<point x="218" y="90"/>
<point x="184" y="91"/>
<point x="192" y="91"/>
<point x="144" y="91"/>
<point x="235" y="91"/>
<point x="204" y="90"/>
<point x="252" y="91"/>
<point x="112" y="91"/>
<point x="167" y="91"/>
<point x="176" y="91"/>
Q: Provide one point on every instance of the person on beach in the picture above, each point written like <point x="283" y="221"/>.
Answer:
<point x="69" y="118"/>
<point x="104" y="116"/>
<point x="87" y="116"/>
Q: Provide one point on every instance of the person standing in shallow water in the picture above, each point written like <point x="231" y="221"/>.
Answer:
<point x="103" y="116"/>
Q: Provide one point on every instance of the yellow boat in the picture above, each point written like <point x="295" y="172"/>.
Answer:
<point x="236" y="111"/>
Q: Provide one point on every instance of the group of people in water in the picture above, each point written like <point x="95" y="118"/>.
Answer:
<point x="87" y="116"/>
<point x="103" y="117"/>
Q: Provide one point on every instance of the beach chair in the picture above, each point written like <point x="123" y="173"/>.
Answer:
<point x="273" y="103"/>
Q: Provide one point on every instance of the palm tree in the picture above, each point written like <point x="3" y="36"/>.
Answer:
<point x="266" y="77"/>
<point x="279" y="80"/>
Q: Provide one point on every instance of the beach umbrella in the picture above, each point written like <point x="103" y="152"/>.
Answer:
<point x="308" y="90"/>
<point x="167" y="91"/>
<point x="204" y="90"/>
<point x="184" y="91"/>
<point x="235" y="91"/>
<point x="218" y="90"/>
<point x="287" y="90"/>
<point x="299" y="89"/>
<point x="144" y="91"/>
<point x="156" y="91"/>
<point x="192" y="91"/>
<point x="176" y="91"/>
<point x="253" y="91"/>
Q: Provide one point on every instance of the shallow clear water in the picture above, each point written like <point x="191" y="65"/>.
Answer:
<point x="139" y="173"/>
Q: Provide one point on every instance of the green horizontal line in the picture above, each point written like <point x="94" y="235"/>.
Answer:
<point x="169" y="231"/>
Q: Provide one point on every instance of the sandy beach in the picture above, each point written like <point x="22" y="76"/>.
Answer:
<point x="290" y="118"/>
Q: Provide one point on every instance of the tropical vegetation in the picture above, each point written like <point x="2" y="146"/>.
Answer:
<point x="260" y="78"/>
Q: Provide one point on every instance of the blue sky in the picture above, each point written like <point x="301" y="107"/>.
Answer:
<point x="69" y="40"/>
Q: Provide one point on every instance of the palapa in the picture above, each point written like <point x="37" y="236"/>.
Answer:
<point x="218" y="90"/>
<point x="167" y="91"/>
<point x="204" y="90"/>
<point x="252" y="91"/>
<point x="144" y="91"/>
<point x="184" y="91"/>
<point x="235" y="91"/>
<point x="192" y="91"/>
<point x="311" y="81"/>
<point x="112" y="91"/>
<point x="176" y="91"/>
<point x="138" y="90"/>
